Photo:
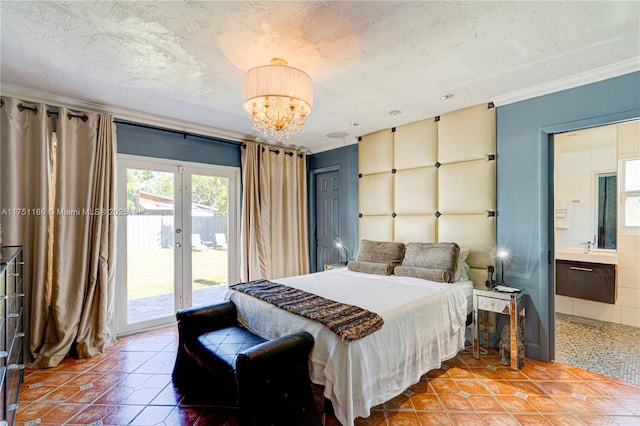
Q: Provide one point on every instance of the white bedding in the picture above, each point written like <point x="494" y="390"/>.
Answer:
<point x="424" y="324"/>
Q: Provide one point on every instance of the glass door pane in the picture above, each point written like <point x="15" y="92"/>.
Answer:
<point x="209" y="238"/>
<point x="150" y="245"/>
<point x="178" y="245"/>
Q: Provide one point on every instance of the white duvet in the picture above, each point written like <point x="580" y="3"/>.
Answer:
<point x="424" y="324"/>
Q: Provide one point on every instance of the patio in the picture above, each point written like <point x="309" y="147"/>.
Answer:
<point x="152" y="307"/>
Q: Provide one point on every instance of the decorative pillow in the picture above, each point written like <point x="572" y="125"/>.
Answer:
<point x="462" y="257"/>
<point x="464" y="274"/>
<point x="370" y="267"/>
<point x="436" y="256"/>
<point x="437" y="275"/>
<point x="389" y="253"/>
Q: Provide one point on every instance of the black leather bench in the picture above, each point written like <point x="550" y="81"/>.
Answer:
<point x="267" y="380"/>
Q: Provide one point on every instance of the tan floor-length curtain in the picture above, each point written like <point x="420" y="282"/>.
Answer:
<point x="83" y="281"/>
<point x="25" y="190"/>
<point x="274" y="234"/>
<point x="251" y="227"/>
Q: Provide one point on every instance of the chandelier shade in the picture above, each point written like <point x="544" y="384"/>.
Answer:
<point x="278" y="98"/>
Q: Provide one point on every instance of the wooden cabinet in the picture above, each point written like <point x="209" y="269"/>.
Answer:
<point x="585" y="280"/>
<point x="11" y="331"/>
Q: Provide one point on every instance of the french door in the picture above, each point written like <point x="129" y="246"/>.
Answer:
<point x="178" y="242"/>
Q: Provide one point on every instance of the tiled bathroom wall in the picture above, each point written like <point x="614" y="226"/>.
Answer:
<point x="574" y="182"/>
<point x="574" y="186"/>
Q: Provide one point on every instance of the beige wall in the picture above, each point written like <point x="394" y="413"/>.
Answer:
<point x="575" y="189"/>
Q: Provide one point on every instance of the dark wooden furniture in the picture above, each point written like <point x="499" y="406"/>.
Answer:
<point x="585" y="280"/>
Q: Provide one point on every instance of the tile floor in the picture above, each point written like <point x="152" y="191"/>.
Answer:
<point x="602" y="347"/>
<point x="130" y="384"/>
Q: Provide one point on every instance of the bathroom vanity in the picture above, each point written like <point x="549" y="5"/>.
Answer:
<point x="587" y="275"/>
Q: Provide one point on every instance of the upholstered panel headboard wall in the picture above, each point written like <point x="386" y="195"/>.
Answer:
<point x="433" y="181"/>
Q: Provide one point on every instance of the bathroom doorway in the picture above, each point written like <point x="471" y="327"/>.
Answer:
<point x="592" y="234"/>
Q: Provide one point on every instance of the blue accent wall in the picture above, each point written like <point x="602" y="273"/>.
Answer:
<point x="158" y="143"/>
<point x="524" y="180"/>
<point x="525" y="186"/>
<point x="344" y="159"/>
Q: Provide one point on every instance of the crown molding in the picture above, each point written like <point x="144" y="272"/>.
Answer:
<point x="333" y="144"/>
<point x="126" y="114"/>
<point x="587" y="77"/>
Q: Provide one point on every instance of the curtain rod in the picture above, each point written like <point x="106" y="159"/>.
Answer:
<point x="22" y="107"/>
<point x="178" y="132"/>
<point x="276" y="149"/>
<point x="212" y="138"/>
<point x="84" y="117"/>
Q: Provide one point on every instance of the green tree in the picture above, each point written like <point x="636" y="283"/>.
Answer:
<point x="160" y="183"/>
<point x="210" y="191"/>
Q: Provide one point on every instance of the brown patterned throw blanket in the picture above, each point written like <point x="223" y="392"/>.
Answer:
<point x="347" y="321"/>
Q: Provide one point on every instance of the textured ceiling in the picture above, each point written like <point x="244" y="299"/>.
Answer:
<point x="182" y="63"/>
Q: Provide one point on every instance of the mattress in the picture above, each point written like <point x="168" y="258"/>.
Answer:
<point x="424" y="324"/>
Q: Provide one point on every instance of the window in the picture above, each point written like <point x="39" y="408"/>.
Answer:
<point x="630" y="196"/>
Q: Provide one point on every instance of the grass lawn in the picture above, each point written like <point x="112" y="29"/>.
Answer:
<point x="150" y="271"/>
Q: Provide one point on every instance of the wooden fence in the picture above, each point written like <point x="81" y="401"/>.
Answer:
<point x="151" y="231"/>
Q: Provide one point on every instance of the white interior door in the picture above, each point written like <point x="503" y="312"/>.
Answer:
<point x="177" y="246"/>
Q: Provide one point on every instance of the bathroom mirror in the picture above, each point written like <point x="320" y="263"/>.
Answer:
<point x="606" y="211"/>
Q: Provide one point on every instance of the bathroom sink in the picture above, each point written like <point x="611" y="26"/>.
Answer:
<point x="609" y="257"/>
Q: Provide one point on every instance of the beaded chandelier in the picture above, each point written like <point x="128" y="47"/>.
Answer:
<point x="278" y="98"/>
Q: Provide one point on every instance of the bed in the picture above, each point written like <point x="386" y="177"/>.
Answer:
<point x="424" y="324"/>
